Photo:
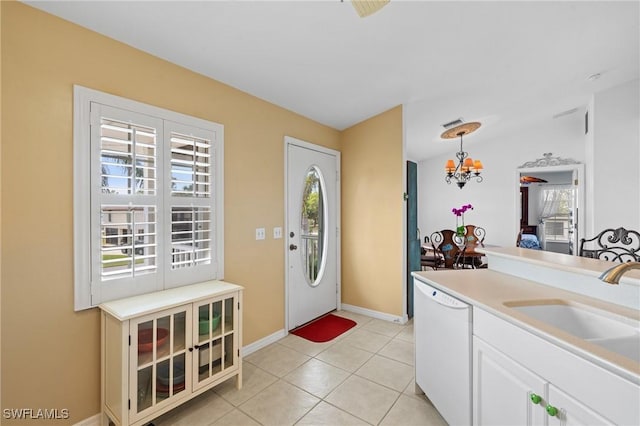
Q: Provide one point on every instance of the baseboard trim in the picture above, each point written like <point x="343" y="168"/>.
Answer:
<point x="265" y="341"/>
<point x="375" y="314"/>
<point x="91" y="421"/>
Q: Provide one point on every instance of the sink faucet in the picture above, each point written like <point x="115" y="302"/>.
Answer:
<point x="612" y="275"/>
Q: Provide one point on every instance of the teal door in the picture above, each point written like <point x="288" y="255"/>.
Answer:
<point x="413" y="236"/>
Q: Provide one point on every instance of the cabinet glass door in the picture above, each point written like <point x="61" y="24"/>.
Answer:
<point x="215" y="339"/>
<point x="230" y="349"/>
<point x="159" y="346"/>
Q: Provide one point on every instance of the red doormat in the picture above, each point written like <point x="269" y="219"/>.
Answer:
<point x="324" y="329"/>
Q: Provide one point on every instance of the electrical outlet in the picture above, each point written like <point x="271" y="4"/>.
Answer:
<point x="277" y="233"/>
<point x="260" y="233"/>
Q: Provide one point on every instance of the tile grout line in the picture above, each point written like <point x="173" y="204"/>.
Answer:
<point x="350" y="374"/>
<point x="299" y="349"/>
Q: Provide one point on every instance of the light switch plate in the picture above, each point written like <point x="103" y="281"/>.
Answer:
<point x="260" y="234"/>
<point x="277" y="233"/>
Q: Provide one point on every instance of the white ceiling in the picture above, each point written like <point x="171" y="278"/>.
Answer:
<point x="507" y="64"/>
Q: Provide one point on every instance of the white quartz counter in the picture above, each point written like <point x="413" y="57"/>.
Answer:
<point x="490" y="290"/>
<point x="561" y="262"/>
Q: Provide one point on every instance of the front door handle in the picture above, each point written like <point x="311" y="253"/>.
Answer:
<point x="293" y="247"/>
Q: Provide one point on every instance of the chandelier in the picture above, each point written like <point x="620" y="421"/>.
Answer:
<point x="467" y="168"/>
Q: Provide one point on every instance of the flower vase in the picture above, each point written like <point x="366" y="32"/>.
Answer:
<point x="460" y="226"/>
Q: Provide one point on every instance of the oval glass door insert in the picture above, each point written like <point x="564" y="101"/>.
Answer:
<point x="312" y="226"/>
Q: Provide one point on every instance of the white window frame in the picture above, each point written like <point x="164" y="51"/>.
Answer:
<point x="86" y="294"/>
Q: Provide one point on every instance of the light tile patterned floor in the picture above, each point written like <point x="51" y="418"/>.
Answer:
<point x="363" y="377"/>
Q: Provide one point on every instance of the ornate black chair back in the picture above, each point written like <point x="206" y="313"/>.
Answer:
<point x="615" y="245"/>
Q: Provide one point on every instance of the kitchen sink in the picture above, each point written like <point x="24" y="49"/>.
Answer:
<point x="628" y="346"/>
<point x="613" y="332"/>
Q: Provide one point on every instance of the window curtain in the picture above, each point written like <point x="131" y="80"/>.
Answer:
<point x="555" y="201"/>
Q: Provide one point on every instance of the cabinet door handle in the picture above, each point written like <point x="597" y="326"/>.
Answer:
<point x="551" y="410"/>
<point x="535" y="398"/>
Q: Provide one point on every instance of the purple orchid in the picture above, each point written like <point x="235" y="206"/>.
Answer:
<point x="459" y="212"/>
<point x="460" y="229"/>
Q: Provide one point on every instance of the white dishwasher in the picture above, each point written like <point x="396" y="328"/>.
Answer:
<point x="443" y="332"/>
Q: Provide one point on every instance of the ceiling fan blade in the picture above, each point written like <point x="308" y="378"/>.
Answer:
<point x="531" y="179"/>
<point x="368" y="7"/>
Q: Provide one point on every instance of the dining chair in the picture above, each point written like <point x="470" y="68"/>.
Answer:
<point x="615" y="245"/>
<point x="430" y="257"/>
<point x="450" y="246"/>
<point x="474" y="237"/>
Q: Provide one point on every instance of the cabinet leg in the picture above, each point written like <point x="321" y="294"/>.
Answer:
<point x="105" y="420"/>
<point x="239" y="380"/>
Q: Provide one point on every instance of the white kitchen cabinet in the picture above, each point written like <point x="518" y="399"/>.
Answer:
<point x="509" y="394"/>
<point x="569" y="411"/>
<point x="512" y="364"/>
<point x="506" y="393"/>
<point x="162" y="349"/>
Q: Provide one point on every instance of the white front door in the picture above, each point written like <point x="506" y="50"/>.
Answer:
<point x="312" y="231"/>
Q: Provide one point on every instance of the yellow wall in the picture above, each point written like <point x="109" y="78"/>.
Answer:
<point x="372" y="213"/>
<point x="50" y="354"/>
<point x="0" y="211"/>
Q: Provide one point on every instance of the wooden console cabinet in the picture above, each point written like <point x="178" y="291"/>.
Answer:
<point x="161" y="349"/>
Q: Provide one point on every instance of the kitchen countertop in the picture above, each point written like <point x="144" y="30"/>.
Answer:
<point x="564" y="262"/>
<point x="489" y="290"/>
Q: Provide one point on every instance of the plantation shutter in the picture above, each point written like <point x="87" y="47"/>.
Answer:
<point x="190" y="213"/>
<point x="125" y="202"/>
<point x="148" y="198"/>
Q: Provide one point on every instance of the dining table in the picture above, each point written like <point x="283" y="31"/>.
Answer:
<point x="471" y="256"/>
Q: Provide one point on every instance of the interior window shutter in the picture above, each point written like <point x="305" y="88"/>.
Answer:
<point x="125" y="203"/>
<point x="191" y="208"/>
<point x="148" y="198"/>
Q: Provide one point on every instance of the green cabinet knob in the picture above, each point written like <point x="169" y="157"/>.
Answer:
<point x="551" y="410"/>
<point x="535" y="398"/>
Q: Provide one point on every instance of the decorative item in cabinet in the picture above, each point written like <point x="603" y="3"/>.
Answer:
<point x="161" y="349"/>
<point x="215" y="339"/>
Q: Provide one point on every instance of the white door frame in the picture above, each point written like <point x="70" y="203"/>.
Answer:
<point x="576" y="169"/>
<point x="288" y="140"/>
